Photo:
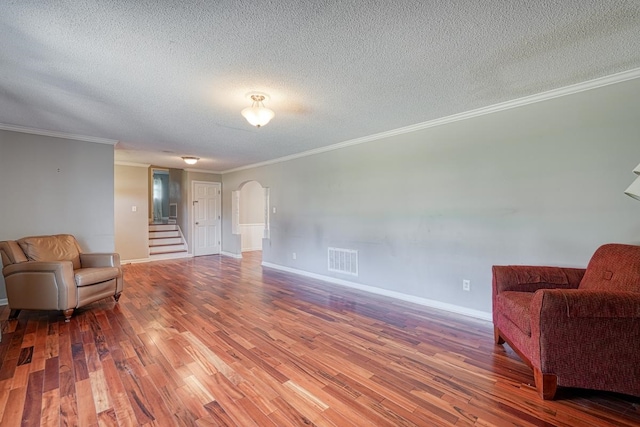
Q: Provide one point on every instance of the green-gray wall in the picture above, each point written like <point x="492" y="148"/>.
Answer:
<point x="537" y="184"/>
<point x="53" y="185"/>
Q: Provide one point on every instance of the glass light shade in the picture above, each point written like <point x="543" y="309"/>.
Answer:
<point x="258" y="115"/>
<point x="190" y="160"/>
<point x="634" y="189"/>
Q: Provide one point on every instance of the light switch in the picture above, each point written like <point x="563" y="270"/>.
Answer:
<point x="134" y="209"/>
<point x="274" y="209"/>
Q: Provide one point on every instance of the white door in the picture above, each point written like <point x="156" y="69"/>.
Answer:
<point x="206" y="217"/>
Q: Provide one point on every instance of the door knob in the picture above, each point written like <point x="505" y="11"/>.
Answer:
<point x="197" y="223"/>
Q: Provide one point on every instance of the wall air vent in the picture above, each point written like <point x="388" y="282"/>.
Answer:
<point x="343" y="261"/>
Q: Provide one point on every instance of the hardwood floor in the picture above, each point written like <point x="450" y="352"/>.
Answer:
<point x="214" y="341"/>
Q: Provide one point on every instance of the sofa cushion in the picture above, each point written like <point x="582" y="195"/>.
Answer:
<point x="613" y="267"/>
<point x="60" y="247"/>
<point x="91" y="276"/>
<point x="515" y="307"/>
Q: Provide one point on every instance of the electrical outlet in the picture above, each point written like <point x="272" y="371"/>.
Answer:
<point x="294" y="256"/>
<point x="466" y="285"/>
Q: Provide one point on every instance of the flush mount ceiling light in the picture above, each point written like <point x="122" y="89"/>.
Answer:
<point x="190" y="160"/>
<point x="258" y="115"/>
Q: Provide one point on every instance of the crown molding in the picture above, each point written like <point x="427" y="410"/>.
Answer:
<point x="140" y="165"/>
<point x="203" y="171"/>
<point x="55" y="134"/>
<point x="507" y="105"/>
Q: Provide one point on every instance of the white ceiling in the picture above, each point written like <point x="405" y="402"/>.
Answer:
<point x="169" y="78"/>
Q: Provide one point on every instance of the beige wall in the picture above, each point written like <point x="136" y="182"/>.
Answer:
<point x="132" y="187"/>
<point x="56" y="185"/>
<point x="131" y="228"/>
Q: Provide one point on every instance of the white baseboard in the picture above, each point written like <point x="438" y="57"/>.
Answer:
<point x="482" y="315"/>
<point x="232" y="255"/>
<point x="251" y="249"/>
<point x="4" y="301"/>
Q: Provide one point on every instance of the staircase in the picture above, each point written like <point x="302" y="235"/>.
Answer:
<point x="166" y="241"/>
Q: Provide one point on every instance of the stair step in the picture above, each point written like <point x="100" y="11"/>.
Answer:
<point x="170" y="255"/>
<point x="163" y="234"/>
<point x="167" y="249"/>
<point x="165" y="241"/>
<point x="163" y="227"/>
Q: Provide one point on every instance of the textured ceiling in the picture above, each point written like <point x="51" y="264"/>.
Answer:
<point x="169" y="78"/>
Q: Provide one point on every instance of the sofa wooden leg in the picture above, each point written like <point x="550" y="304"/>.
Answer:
<point x="14" y="314"/>
<point x="117" y="296"/>
<point x="496" y="336"/>
<point x="67" y="314"/>
<point x="546" y="384"/>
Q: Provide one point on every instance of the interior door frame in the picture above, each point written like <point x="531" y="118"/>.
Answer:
<point x="193" y="214"/>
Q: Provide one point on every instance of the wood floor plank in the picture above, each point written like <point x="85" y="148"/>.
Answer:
<point x="87" y="413"/>
<point x="32" y="410"/>
<point x="50" y="408"/>
<point x="68" y="411"/>
<point x="12" y="414"/>
<point x="214" y="341"/>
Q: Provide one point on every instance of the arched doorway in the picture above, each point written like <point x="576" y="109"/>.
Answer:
<point x="251" y="220"/>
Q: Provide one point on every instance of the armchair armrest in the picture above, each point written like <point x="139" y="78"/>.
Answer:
<point x="40" y="285"/>
<point x="587" y="338"/>
<point x="526" y="278"/>
<point x="94" y="260"/>
<point x="578" y="303"/>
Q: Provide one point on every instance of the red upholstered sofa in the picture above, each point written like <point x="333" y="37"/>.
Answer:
<point x="574" y="327"/>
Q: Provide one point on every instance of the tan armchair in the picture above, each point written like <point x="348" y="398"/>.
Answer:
<point x="51" y="273"/>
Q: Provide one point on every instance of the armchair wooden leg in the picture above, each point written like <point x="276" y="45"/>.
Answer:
<point x="67" y="314"/>
<point x="117" y="296"/>
<point x="546" y="384"/>
<point x="496" y="336"/>
<point x="14" y="314"/>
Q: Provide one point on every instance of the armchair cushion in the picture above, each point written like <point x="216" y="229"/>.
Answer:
<point x="515" y="306"/>
<point x="613" y="266"/>
<point x="61" y="247"/>
<point x="91" y="276"/>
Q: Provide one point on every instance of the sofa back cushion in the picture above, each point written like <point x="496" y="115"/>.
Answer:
<point x="60" y="247"/>
<point x="613" y="267"/>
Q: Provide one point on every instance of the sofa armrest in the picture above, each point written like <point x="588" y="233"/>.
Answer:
<point x="94" y="260"/>
<point x="526" y="278"/>
<point x="40" y="285"/>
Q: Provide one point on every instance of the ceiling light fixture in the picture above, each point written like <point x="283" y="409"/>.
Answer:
<point x="191" y="160"/>
<point x="258" y="115"/>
